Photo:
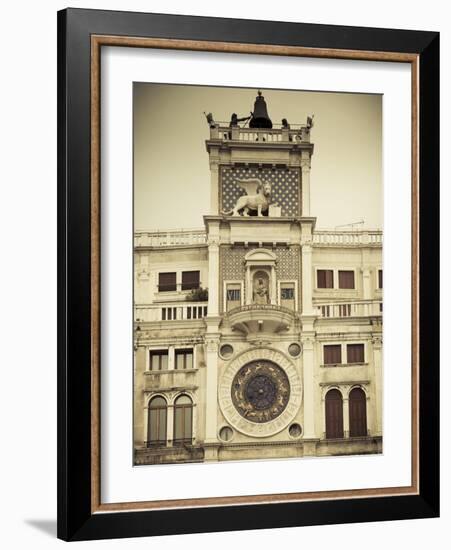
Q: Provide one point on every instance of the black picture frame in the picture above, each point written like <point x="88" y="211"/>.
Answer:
<point x="76" y="519"/>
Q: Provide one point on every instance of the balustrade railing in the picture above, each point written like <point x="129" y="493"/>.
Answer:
<point x="177" y="237"/>
<point x="184" y="237"/>
<point x="347" y="238"/>
<point x="351" y="309"/>
<point x="171" y="312"/>
<point x="271" y="135"/>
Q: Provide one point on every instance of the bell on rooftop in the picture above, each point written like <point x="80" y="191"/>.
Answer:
<point x="260" y="117"/>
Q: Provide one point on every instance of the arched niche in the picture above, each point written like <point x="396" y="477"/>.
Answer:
<point x="260" y="264"/>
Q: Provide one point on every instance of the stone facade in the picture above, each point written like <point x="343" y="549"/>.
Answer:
<point x="284" y="356"/>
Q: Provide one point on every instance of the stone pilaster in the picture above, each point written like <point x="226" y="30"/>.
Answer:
<point x="305" y="173"/>
<point x="377" y="387"/>
<point x="171" y="358"/>
<point x="346" y="416"/>
<point x="214" y="183"/>
<point x="140" y="409"/>
<point x="366" y="275"/>
<point x="213" y="269"/>
<point x="308" y="366"/>
<point x="211" y="390"/>
<point x="307" y="289"/>
<point x="170" y="425"/>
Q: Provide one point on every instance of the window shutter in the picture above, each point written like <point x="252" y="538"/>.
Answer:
<point x="332" y="354"/>
<point x="346" y="279"/>
<point x="325" y="278"/>
<point x="183" y="359"/>
<point x="356" y="353"/>
<point x="167" y="282"/>
<point x="190" y="280"/>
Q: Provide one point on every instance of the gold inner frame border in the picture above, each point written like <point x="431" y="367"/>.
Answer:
<point x="97" y="41"/>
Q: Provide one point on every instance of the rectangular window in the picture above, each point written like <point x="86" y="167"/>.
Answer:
<point x="233" y="296"/>
<point x="332" y="354"/>
<point x="287" y="295"/>
<point x="167" y="282"/>
<point x="190" y="280"/>
<point x="325" y="278"/>
<point x="346" y="279"/>
<point x="158" y="360"/>
<point x="380" y="278"/>
<point x="183" y="359"/>
<point x="356" y="353"/>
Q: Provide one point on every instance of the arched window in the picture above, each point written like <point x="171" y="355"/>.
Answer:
<point x="183" y="420"/>
<point x="157" y="421"/>
<point x="334" y="414"/>
<point x="357" y="413"/>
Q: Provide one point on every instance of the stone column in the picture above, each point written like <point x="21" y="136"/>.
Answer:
<point x="308" y="361"/>
<point x="170" y="425"/>
<point x="307" y="307"/>
<point x="370" y="417"/>
<point x="377" y="402"/>
<point x="273" y="285"/>
<point x="213" y="278"/>
<point x="346" y="416"/>
<point x="211" y="396"/>
<point x="323" y="416"/>
<point x="214" y="186"/>
<point x="171" y="358"/>
<point x="248" y="290"/>
<point x="305" y="172"/>
<point x="366" y="274"/>
<point x="140" y="422"/>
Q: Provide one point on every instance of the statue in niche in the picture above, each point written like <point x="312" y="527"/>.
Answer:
<point x="260" y="294"/>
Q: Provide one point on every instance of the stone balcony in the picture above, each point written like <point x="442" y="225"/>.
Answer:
<point x="349" y="238"/>
<point x="341" y="310"/>
<point x="172" y="238"/>
<point x="255" y="318"/>
<point x="170" y="311"/>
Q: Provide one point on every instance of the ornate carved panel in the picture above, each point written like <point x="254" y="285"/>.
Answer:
<point x="288" y="262"/>
<point x="285" y="186"/>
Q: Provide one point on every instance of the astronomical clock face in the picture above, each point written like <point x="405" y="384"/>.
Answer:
<point x="260" y="391"/>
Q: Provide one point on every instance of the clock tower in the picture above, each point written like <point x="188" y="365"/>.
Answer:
<point x="259" y="338"/>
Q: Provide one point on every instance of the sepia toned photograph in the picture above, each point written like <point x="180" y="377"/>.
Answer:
<point x="258" y="274"/>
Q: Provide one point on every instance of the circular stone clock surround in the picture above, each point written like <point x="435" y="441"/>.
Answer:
<point x="268" y="378"/>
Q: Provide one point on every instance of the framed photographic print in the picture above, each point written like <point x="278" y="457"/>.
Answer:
<point x="248" y="274"/>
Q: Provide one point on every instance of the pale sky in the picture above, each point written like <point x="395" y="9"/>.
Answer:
<point x="171" y="172"/>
